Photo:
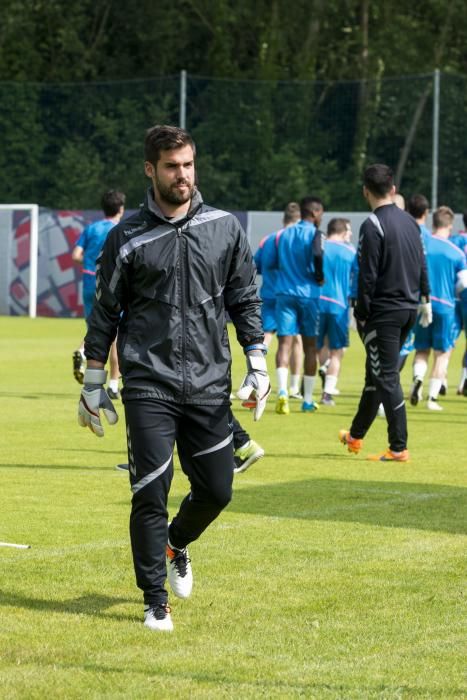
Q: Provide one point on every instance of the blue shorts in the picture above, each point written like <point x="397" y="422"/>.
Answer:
<point x="89" y="293"/>
<point x="440" y="335"/>
<point x="268" y="314"/>
<point x="297" y="315"/>
<point x="336" y="328"/>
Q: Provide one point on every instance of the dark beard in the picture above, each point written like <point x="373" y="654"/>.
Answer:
<point x="172" y="196"/>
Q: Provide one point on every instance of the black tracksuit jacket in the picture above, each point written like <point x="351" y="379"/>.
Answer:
<point x="392" y="265"/>
<point x="166" y="285"/>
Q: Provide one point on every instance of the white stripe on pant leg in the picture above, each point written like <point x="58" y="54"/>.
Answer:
<point x="151" y="476"/>
<point x="217" y="447"/>
<point x="399" y="406"/>
<point x="370" y="336"/>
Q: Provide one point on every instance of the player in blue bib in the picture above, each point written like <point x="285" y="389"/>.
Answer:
<point x="265" y="259"/>
<point x="339" y="262"/>
<point x="299" y="260"/>
<point x="446" y="269"/>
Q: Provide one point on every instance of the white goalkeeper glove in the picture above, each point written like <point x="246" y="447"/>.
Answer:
<point x="93" y="398"/>
<point x="425" y="313"/>
<point x="255" y="387"/>
<point x="461" y="283"/>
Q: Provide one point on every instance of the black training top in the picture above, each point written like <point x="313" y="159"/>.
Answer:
<point x="166" y="285"/>
<point x="392" y="266"/>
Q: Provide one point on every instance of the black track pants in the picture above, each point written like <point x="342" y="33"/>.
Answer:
<point x="383" y="337"/>
<point x="240" y="436"/>
<point x="204" y="440"/>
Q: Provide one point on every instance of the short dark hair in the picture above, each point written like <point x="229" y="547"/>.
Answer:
<point x="310" y="205"/>
<point x="417" y="205"/>
<point x="291" y="213"/>
<point x="378" y="179"/>
<point x="165" y="138"/>
<point x="337" y="226"/>
<point x="112" y="201"/>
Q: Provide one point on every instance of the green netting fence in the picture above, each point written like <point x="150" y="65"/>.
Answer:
<point x="260" y="143"/>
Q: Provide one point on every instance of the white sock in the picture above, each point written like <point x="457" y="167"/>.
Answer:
<point x="463" y="378"/>
<point x="435" y="386"/>
<point x="330" y="383"/>
<point x="113" y="384"/>
<point x="282" y="374"/>
<point x="308" y="386"/>
<point x="419" y="369"/>
<point x="294" y="383"/>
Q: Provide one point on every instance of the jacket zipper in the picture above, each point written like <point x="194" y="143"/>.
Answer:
<point x="181" y="271"/>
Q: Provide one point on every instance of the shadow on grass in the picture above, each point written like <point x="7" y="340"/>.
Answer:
<point x="388" y="504"/>
<point x="61" y="467"/>
<point x="39" y="395"/>
<point x="98" y="450"/>
<point x="94" y="605"/>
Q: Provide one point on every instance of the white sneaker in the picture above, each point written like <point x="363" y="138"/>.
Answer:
<point x="433" y="405"/>
<point x="157" y="617"/>
<point x="295" y="395"/>
<point x="179" y="571"/>
<point x="381" y="412"/>
<point x="247" y="455"/>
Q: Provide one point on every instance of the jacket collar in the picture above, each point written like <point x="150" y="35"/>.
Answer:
<point x="151" y="205"/>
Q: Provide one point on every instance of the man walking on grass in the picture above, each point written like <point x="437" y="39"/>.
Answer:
<point x="392" y="284"/>
<point x="166" y="278"/>
<point x="299" y="260"/>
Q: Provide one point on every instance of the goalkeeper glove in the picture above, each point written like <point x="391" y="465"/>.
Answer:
<point x="93" y="398"/>
<point x="461" y="283"/>
<point x="425" y="313"/>
<point x="255" y="387"/>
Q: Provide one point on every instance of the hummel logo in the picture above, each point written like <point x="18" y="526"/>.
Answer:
<point x="130" y="231"/>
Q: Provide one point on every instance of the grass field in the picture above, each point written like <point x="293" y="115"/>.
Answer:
<point x="327" y="577"/>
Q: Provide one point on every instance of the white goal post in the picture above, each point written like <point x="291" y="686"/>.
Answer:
<point x="6" y="244"/>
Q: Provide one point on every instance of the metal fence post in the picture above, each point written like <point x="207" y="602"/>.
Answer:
<point x="435" y="149"/>
<point x="182" y="117"/>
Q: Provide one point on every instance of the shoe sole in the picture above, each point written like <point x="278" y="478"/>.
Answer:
<point x="122" y="467"/>
<point x="251" y="460"/>
<point x="163" y="626"/>
<point x="159" y="629"/>
<point x="374" y="458"/>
